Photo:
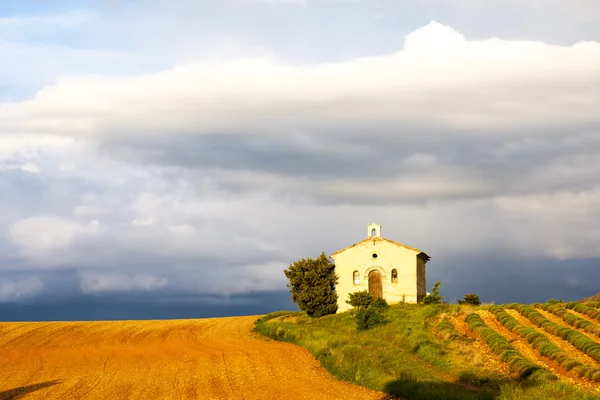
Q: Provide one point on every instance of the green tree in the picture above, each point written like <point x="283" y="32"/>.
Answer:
<point x="470" y="298"/>
<point x="434" y="297"/>
<point x="312" y="284"/>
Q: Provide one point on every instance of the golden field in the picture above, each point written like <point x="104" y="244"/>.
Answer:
<point x="217" y="358"/>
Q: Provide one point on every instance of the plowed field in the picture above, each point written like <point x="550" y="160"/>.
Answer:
<point x="177" y="359"/>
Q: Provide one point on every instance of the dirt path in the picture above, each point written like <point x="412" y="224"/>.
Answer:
<point x="177" y="359"/>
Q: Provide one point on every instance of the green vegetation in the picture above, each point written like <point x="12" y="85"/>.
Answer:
<point x="380" y="304"/>
<point x="360" y="299"/>
<point x="501" y="346"/>
<point x="584" y="309"/>
<point x="579" y="340"/>
<point x="369" y="317"/>
<point x="571" y="319"/>
<point x="470" y="299"/>
<point x="418" y="354"/>
<point x="312" y="284"/>
<point x="446" y="330"/>
<point x="434" y="297"/>
<point x="593" y="304"/>
<point x="542" y="344"/>
<point x="370" y="310"/>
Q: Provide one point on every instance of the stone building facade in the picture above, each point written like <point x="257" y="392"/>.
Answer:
<point x="385" y="268"/>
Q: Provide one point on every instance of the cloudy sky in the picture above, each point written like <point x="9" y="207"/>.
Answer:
<point x="172" y="154"/>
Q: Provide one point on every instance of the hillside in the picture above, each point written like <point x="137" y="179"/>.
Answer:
<point x="543" y="351"/>
<point x="178" y="359"/>
<point x="595" y="297"/>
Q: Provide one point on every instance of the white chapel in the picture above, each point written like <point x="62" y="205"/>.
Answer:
<point x="385" y="268"/>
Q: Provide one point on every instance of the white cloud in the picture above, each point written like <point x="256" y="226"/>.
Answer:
<point x="43" y="239"/>
<point x="27" y="167"/>
<point x="228" y="168"/>
<point x="89" y="211"/>
<point x="30" y="147"/>
<point x="247" y="278"/>
<point x="556" y="225"/>
<point x="19" y="289"/>
<point x="169" y="224"/>
<point x="469" y="86"/>
<point x="302" y="2"/>
<point x="110" y="282"/>
<point x="63" y="20"/>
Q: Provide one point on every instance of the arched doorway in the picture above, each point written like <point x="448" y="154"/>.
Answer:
<point x="375" y="285"/>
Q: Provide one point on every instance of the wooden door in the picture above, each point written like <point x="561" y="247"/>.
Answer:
<point x="375" y="285"/>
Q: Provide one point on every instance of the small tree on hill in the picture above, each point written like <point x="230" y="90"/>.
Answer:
<point x="369" y="314"/>
<point x="360" y="299"/>
<point x="434" y="297"/>
<point x="471" y="299"/>
<point x="379" y="304"/>
<point x="369" y="317"/>
<point x="312" y="284"/>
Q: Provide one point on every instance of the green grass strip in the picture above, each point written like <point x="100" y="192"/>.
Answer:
<point x="545" y="347"/>
<point x="508" y="354"/>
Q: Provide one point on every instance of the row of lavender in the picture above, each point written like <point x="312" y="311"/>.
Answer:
<point x="545" y="347"/>
<point x="539" y="341"/>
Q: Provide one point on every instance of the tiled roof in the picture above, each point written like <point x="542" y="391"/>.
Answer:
<point x="379" y="238"/>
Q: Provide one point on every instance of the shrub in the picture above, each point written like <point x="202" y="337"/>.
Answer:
<point x="471" y="299"/>
<point x="434" y="297"/>
<point x="554" y="301"/>
<point x="379" y="304"/>
<point x="312" y="284"/>
<point x="447" y="331"/>
<point x="360" y="299"/>
<point x="369" y="317"/>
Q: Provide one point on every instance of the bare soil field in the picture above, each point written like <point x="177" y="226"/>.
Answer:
<point x="216" y="358"/>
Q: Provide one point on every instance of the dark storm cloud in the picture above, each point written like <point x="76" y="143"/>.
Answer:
<point x="507" y="279"/>
<point x="24" y="193"/>
<point x="144" y="306"/>
<point x="515" y="163"/>
<point x="494" y="279"/>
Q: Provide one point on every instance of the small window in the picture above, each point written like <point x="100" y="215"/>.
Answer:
<point x="356" y="277"/>
<point x="394" y="276"/>
<point x="374" y="255"/>
<point x="373" y="232"/>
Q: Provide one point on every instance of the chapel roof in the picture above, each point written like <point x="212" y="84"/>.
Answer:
<point x="382" y="239"/>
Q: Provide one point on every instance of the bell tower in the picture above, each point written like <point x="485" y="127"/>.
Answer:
<point x="373" y="230"/>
